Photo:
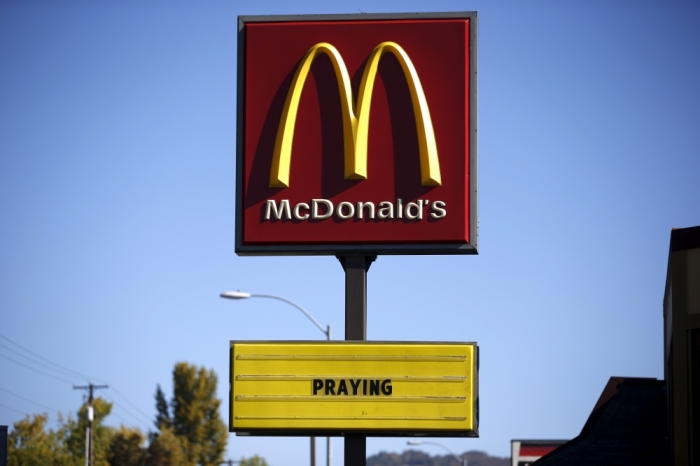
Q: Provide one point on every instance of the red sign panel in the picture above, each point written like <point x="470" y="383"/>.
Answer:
<point x="357" y="133"/>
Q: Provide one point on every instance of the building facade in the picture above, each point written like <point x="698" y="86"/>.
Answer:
<point x="682" y="345"/>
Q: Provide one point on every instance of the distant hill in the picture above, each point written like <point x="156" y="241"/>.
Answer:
<point x="419" y="458"/>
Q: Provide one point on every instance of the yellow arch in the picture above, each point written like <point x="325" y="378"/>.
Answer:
<point x="355" y="117"/>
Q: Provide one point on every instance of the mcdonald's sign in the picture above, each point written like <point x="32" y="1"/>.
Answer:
<point x="357" y="133"/>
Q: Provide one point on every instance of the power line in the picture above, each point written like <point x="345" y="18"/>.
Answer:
<point x="13" y="409"/>
<point x="36" y="370"/>
<point x="118" y="405"/>
<point x="27" y="399"/>
<point x="37" y="362"/>
<point x="64" y="380"/>
<point x="51" y="362"/>
<point x="139" y="421"/>
<point x="146" y="416"/>
<point x="69" y="372"/>
<point x="124" y="421"/>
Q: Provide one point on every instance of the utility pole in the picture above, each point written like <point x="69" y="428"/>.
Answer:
<point x="90" y="437"/>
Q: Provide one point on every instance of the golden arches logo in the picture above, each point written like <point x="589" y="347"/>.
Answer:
<point x="355" y="116"/>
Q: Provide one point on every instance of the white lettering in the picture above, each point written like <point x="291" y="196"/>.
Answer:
<point x="418" y="207"/>
<point x="386" y="210"/>
<point x="297" y="215"/>
<point x="362" y="205"/>
<point x="438" y="207"/>
<point x="350" y="208"/>
<point x="321" y="209"/>
<point x="278" y="213"/>
<point x="314" y="209"/>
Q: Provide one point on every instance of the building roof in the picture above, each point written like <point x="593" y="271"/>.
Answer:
<point x="685" y="238"/>
<point x="627" y="426"/>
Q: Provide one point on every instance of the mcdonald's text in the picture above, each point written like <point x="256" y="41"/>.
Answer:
<point x="321" y="209"/>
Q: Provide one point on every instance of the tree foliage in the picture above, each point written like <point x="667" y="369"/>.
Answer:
<point x="75" y="441"/>
<point x="254" y="461"/>
<point x="127" y="448"/>
<point x="29" y="444"/>
<point x="162" y="414"/>
<point x="190" y="431"/>
<point x="193" y="416"/>
<point x="167" y="449"/>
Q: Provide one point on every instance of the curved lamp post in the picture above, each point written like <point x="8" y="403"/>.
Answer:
<point x="243" y="295"/>
<point x="326" y="331"/>
<point x="425" y="442"/>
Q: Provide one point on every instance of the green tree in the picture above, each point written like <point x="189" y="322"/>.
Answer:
<point x="194" y="415"/>
<point x="29" y="444"/>
<point x="127" y="448"/>
<point x="254" y="461"/>
<point x="162" y="416"/>
<point x="166" y="449"/>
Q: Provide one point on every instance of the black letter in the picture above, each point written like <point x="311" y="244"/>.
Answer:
<point x="330" y="385"/>
<point x="386" y="387"/>
<point x="355" y="386"/>
<point x="364" y="387"/>
<point x="342" y="388"/>
<point x="374" y="387"/>
<point x="318" y="384"/>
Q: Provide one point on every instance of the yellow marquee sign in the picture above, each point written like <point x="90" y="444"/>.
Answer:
<point x="354" y="387"/>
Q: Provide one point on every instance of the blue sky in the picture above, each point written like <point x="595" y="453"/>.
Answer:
<point x="117" y="189"/>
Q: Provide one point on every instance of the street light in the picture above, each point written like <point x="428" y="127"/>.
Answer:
<point x="421" y="442"/>
<point x="326" y="331"/>
<point x="243" y="295"/>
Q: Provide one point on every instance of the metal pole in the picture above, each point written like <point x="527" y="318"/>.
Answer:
<point x="313" y="451"/>
<point x="91" y="416"/>
<point x="329" y="451"/>
<point x="356" y="267"/>
<point x="329" y="440"/>
<point x="87" y="445"/>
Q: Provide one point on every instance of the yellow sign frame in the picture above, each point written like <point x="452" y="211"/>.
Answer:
<point x="354" y="387"/>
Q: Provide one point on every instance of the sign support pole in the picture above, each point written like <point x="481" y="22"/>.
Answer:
<point x="356" y="267"/>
